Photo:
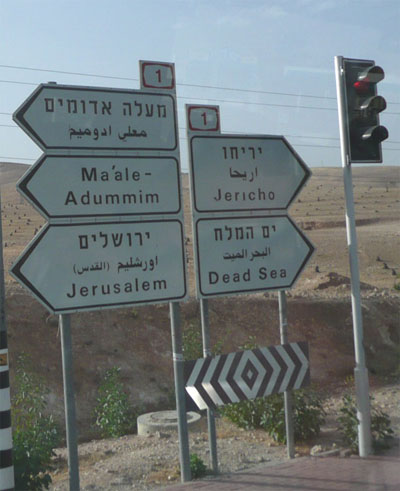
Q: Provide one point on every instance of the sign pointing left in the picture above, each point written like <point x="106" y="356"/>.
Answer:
<point x="102" y="186"/>
<point x="90" y="266"/>
<point x="67" y="116"/>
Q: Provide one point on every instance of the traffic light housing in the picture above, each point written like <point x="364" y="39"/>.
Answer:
<point x="363" y="105"/>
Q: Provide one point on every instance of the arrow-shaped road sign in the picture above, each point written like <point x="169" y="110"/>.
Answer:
<point x="89" y="266"/>
<point x="87" y="186"/>
<point x="239" y="173"/>
<point x="67" y="116"/>
<point x="215" y="381"/>
<point x="249" y="254"/>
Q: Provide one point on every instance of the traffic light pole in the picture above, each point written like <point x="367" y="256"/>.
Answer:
<point x="360" y="371"/>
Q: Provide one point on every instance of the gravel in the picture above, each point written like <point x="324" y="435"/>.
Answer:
<point x="151" y="462"/>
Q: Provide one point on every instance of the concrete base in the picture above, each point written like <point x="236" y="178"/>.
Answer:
<point x="164" y="421"/>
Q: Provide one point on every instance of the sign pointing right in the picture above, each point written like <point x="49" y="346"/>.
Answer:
<point x="248" y="254"/>
<point x="248" y="173"/>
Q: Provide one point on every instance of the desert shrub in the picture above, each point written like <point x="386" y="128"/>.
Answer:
<point x="348" y="425"/>
<point x="192" y="342"/>
<point x="114" y="414"/>
<point x="198" y="468"/>
<point x="268" y="413"/>
<point x="35" y="434"/>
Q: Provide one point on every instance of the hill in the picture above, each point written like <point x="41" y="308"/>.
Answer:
<point x="137" y="339"/>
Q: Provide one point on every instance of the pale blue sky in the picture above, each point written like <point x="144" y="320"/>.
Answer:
<point x="285" y="49"/>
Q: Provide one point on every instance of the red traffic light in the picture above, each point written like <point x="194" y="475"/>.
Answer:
<point x="361" y="87"/>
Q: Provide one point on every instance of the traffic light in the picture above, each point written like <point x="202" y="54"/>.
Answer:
<point x="363" y="105"/>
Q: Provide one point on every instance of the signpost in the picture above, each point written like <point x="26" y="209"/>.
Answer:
<point x="110" y="154"/>
<point x="241" y="188"/>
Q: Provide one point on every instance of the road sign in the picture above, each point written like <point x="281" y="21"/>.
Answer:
<point x="215" y="381"/>
<point x="67" y="116"/>
<point x="102" y="186"/>
<point x="249" y="254"/>
<point x="89" y="266"/>
<point x="242" y="173"/>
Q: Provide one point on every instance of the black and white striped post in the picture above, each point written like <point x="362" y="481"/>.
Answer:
<point x="6" y="463"/>
<point x="287" y="395"/>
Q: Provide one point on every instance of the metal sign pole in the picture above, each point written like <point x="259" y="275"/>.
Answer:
<point x="212" y="437"/>
<point x="360" y="371"/>
<point x="6" y="463"/>
<point x="288" y="399"/>
<point x="177" y="355"/>
<point x="69" y="401"/>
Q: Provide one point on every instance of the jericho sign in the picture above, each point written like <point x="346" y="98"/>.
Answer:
<point x="243" y="173"/>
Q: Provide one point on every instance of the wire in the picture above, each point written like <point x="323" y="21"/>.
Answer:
<point x="15" y="158"/>
<point x="67" y="73"/>
<point x="17" y="82"/>
<point x="297" y="106"/>
<point x="287" y="136"/>
<point x="252" y="91"/>
<point x="247" y="103"/>
<point x="214" y="87"/>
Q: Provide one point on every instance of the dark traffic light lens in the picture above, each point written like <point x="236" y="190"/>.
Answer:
<point x="375" y="104"/>
<point x="376" y="134"/>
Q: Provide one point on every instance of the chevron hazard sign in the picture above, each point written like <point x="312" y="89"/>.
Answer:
<point x="245" y="375"/>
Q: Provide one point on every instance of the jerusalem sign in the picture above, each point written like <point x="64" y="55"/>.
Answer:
<point x="88" y="266"/>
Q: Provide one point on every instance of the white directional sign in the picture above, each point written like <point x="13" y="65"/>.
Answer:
<point x="87" y="186"/>
<point x="249" y="254"/>
<point x="65" y="117"/>
<point x="89" y="266"/>
<point x="240" y="173"/>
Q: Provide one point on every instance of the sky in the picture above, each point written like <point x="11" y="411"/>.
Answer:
<point x="278" y="55"/>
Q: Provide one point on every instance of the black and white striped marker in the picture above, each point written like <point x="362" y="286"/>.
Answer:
<point x="246" y="375"/>
<point x="6" y="463"/>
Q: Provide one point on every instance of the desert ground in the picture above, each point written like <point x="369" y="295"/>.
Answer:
<point x="138" y="340"/>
